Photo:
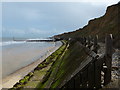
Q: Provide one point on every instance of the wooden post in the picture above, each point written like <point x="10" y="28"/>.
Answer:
<point x="77" y="80"/>
<point x="91" y="75"/>
<point x="95" y="44"/>
<point x="88" y="42"/>
<point x="84" y="41"/>
<point x="90" y="38"/>
<point x="108" y="59"/>
<point x="98" y="69"/>
<point x="84" y="75"/>
<point x="71" y="83"/>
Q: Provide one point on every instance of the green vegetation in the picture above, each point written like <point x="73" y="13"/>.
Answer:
<point x="64" y="66"/>
<point x="48" y="78"/>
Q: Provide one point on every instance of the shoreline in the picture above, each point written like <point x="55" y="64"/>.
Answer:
<point x="13" y="78"/>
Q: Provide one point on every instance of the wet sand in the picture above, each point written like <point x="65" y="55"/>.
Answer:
<point x="11" y="79"/>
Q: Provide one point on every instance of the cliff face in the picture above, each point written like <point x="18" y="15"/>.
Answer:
<point x="107" y="24"/>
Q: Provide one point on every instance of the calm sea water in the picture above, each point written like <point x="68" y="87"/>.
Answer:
<point x="19" y="54"/>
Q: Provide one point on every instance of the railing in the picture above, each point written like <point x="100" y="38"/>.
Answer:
<point x="95" y="72"/>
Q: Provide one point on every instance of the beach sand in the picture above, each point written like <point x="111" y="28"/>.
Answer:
<point x="13" y="78"/>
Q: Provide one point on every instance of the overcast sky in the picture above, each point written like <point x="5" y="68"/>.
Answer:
<point x="44" y="19"/>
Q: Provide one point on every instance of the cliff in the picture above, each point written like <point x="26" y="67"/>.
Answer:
<point x="107" y="24"/>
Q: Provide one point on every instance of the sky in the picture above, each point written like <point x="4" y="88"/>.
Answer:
<point x="45" y="19"/>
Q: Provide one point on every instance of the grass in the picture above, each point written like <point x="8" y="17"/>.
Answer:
<point x="64" y="66"/>
<point x="71" y="61"/>
<point x="48" y="78"/>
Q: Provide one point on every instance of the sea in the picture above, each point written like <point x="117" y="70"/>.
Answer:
<point x="18" y="54"/>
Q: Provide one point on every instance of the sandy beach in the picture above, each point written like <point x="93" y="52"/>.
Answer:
<point x="11" y="79"/>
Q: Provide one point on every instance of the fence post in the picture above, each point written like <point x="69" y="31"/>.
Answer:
<point x="77" y="80"/>
<point x="84" y="41"/>
<point x="84" y="78"/>
<point x="91" y="75"/>
<point x="108" y="59"/>
<point x="95" y="44"/>
<point x="70" y="84"/>
<point x="98" y="68"/>
<point x="88" y="42"/>
<point x="90" y="38"/>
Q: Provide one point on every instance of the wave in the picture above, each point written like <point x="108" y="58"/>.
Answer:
<point x="4" y="43"/>
<point x="11" y="42"/>
<point x="39" y="39"/>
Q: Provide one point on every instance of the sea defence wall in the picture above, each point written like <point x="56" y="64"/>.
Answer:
<point x="80" y="66"/>
<point x="95" y="70"/>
